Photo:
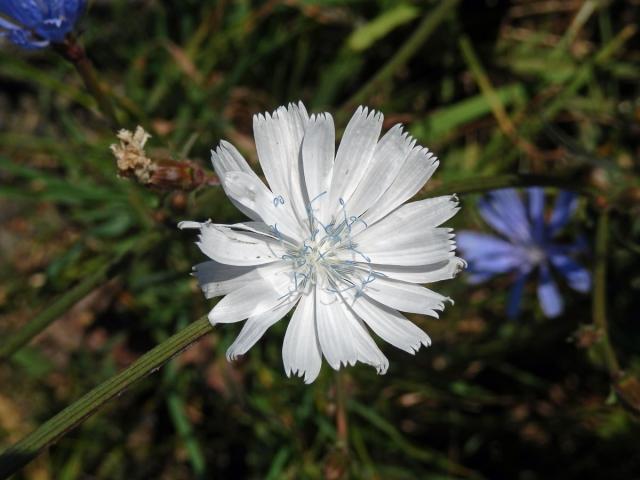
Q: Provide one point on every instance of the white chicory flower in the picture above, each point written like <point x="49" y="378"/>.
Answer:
<point x="330" y="237"/>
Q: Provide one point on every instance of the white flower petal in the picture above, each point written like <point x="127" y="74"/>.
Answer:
<point x="301" y="350"/>
<point x="406" y="297"/>
<point x="253" y="299"/>
<point x="353" y="157"/>
<point x="254" y="196"/>
<point x="216" y="279"/>
<point x="333" y="334"/>
<point x="430" y="212"/>
<point x="254" y="328"/>
<point x="225" y="159"/>
<point x="238" y="248"/>
<point x="389" y="156"/>
<point x="415" y="172"/>
<point x="318" y="151"/>
<point x="407" y="247"/>
<point x="443" y="270"/>
<point x="279" y="141"/>
<point x="390" y="325"/>
<point x="366" y="349"/>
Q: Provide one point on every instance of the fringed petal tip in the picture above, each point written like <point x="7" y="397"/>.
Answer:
<point x="308" y="377"/>
<point x="188" y="224"/>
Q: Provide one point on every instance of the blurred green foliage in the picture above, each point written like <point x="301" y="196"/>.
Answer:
<point x="498" y="87"/>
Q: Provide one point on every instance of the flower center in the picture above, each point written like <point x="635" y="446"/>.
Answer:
<point x="329" y="258"/>
<point x="535" y="254"/>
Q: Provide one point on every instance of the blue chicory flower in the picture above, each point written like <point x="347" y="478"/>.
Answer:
<point x="526" y="243"/>
<point x="33" y="24"/>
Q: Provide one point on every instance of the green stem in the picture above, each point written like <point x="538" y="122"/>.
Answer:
<point x="342" y="425"/>
<point x="571" y="180"/>
<point x="15" y="457"/>
<point x="17" y="340"/>
<point x="600" y="294"/>
<point x="76" y="54"/>
<point x="408" y="50"/>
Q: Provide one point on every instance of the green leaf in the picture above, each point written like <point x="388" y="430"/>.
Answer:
<point x="369" y="33"/>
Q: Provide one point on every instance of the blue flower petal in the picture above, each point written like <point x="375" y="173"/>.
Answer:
<point x="488" y="255"/>
<point x="577" y="276"/>
<point x="36" y="23"/>
<point x="548" y="294"/>
<point x="564" y="207"/>
<point x="504" y="211"/>
<point x="26" y="12"/>
<point x="536" y="212"/>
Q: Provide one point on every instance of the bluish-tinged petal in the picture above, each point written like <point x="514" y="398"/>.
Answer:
<point x="40" y="22"/>
<point x="26" y="40"/>
<point x="504" y="211"/>
<point x="577" y="276"/>
<point x="26" y="12"/>
<point x="565" y="205"/>
<point x="536" y="212"/>
<point x="548" y="294"/>
<point x="488" y="255"/>
<point x="515" y="295"/>
<point x="7" y="25"/>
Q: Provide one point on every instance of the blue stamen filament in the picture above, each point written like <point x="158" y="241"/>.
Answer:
<point x="317" y="261"/>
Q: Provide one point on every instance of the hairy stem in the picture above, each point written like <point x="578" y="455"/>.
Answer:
<point x="15" y="457"/>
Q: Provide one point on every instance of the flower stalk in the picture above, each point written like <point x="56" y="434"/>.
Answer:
<point x="342" y="425"/>
<point x="75" y="53"/>
<point x="15" y="457"/>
